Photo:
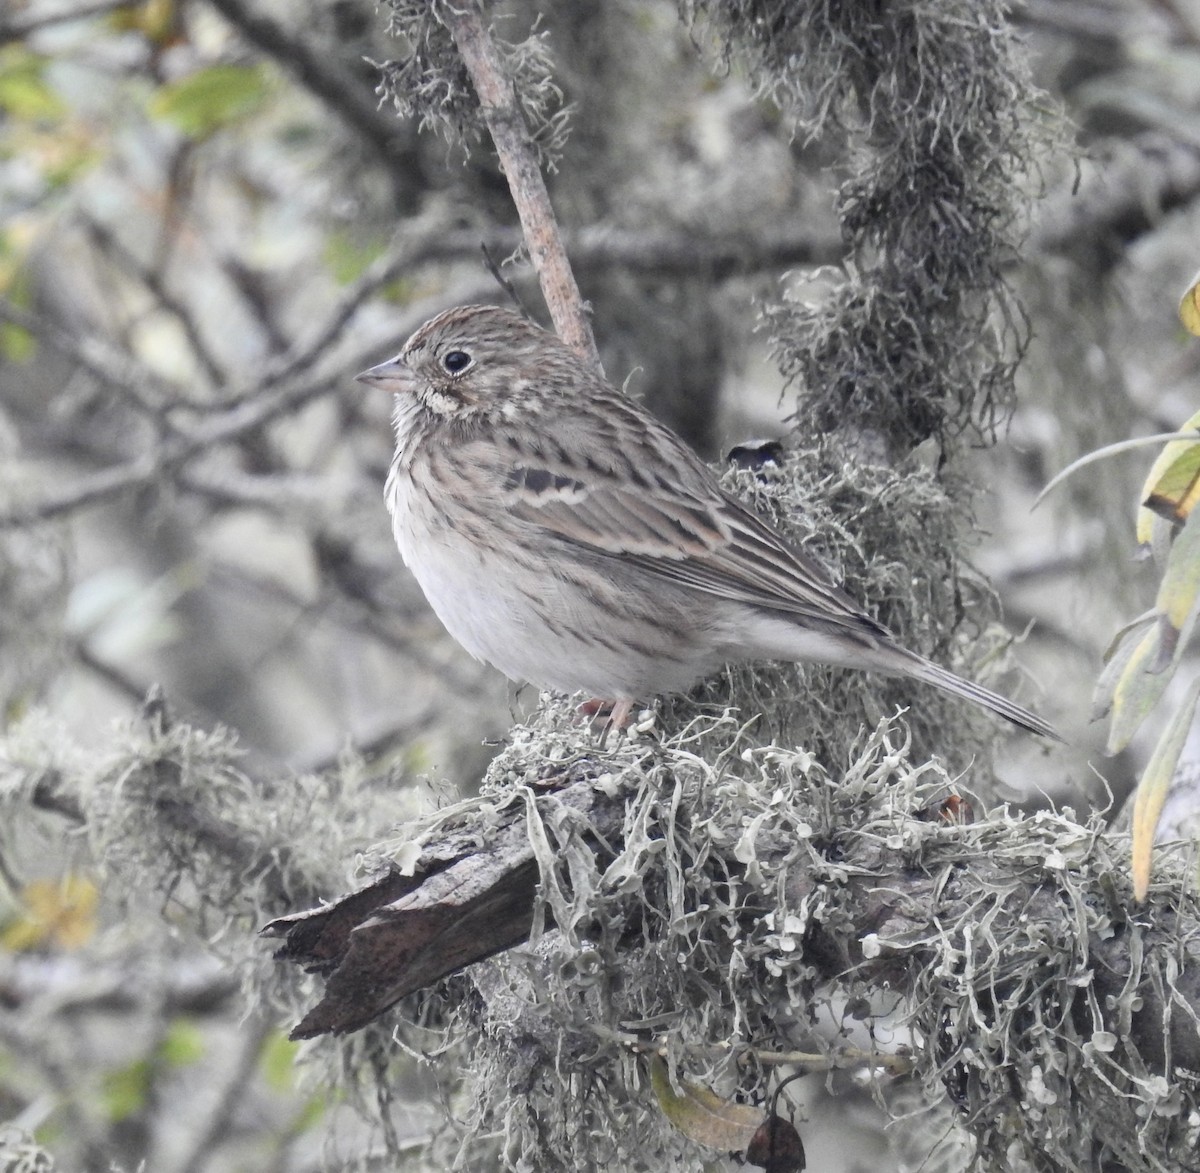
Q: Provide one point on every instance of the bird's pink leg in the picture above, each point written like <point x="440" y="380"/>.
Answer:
<point x="616" y="713"/>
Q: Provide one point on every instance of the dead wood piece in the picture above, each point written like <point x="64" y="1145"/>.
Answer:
<point x="470" y="897"/>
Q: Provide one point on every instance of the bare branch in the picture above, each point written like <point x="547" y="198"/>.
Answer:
<point x="1084" y="21"/>
<point x="19" y="1037"/>
<point x="657" y="252"/>
<point x="221" y="1114"/>
<point x="519" y="162"/>
<point x="155" y="284"/>
<point x="109" y="673"/>
<point x="14" y="28"/>
<point x="255" y="408"/>
<point x="144" y="389"/>
<point x="187" y="985"/>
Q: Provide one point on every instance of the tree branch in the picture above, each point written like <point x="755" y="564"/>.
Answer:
<point x="899" y="904"/>
<point x="246" y="407"/>
<point x="518" y="160"/>
<point x="255" y="404"/>
<point x="155" y="284"/>
<point x="17" y="27"/>
<point x="188" y="985"/>
<point x="145" y="390"/>
<point x="1009" y="941"/>
<point x="216" y="1122"/>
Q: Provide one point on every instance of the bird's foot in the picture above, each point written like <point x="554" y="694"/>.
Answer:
<point x="607" y="715"/>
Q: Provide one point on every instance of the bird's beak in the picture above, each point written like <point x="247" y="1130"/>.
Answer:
<point x="392" y="375"/>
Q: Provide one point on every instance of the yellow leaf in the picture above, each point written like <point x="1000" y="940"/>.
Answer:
<point x="1152" y="790"/>
<point x="1189" y="307"/>
<point x="58" y="913"/>
<point x="1174" y="497"/>
<point x="1171" y="486"/>
<point x="1137" y="690"/>
<point x="1158" y="651"/>
<point x="1180" y="584"/>
<point x="1116" y="658"/>
<point x="703" y="1116"/>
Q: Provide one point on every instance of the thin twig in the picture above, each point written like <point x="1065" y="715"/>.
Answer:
<point x="154" y="283"/>
<point x="505" y="283"/>
<point x="109" y="673"/>
<point x="665" y="252"/>
<point x="254" y="290"/>
<point x="215" y="1126"/>
<point x="14" y="28"/>
<point x="64" y="1078"/>
<point x="253" y="412"/>
<point x="246" y="407"/>
<point x="146" y="391"/>
<point x="254" y="405"/>
<point x="194" y="985"/>
<point x="498" y="104"/>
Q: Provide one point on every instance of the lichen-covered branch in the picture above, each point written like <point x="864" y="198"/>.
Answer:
<point x="1008" y="943"/>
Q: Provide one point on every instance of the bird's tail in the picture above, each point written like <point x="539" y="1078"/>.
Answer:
<point x="944" y="679"/>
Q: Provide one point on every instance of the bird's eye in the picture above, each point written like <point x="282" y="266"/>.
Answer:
<point x="456" y="361"/>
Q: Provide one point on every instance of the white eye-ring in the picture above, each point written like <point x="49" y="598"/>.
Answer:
<point x="456" y="361"/>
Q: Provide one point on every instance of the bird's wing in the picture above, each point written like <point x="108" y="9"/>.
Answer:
<point x="638" y="494"/>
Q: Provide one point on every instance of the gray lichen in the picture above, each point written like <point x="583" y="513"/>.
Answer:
<point x="753" y="898"/>
<point x="431" y="83"/>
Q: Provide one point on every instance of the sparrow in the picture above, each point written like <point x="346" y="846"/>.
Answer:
<point x="565" y="536"/>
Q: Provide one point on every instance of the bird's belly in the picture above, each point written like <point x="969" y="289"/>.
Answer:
<point x="560" y="625"/>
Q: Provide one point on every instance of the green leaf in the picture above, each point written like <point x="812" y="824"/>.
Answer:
<point x="1152" y="790"/>
<point x="348" y="254"/>
<point x="23" y="90"/>
<point x="312" y="1113"/>
<point x="1137" y="690"/>
<point x="183" y="1045"/>
<point x="125" y="1090"/>
<point x="211" y="99"/>
<point x="1116" y="659"/>
<point x="278" y="1062"/>
<point x="16" y="343"/>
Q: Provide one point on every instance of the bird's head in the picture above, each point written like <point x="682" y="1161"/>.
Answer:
<point x="471" y="359"/>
